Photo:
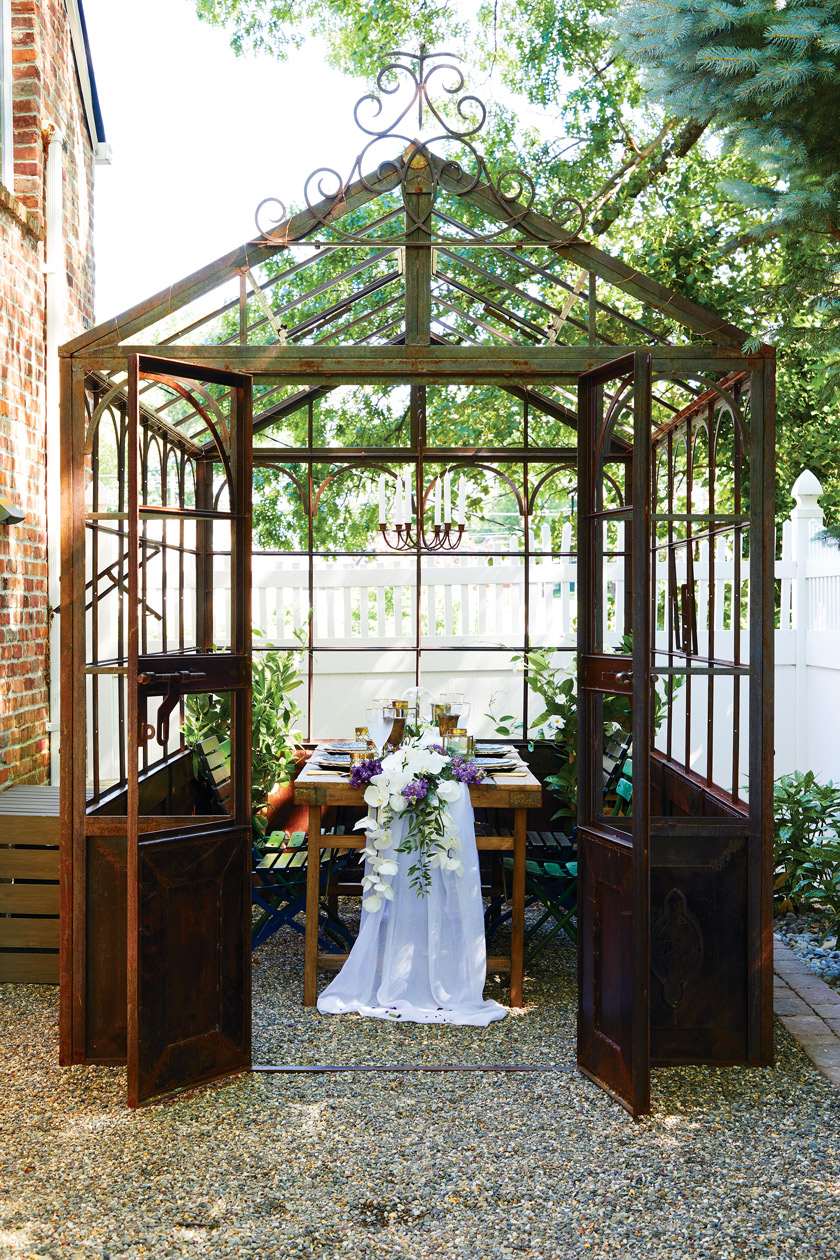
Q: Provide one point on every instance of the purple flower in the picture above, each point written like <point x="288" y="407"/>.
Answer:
<point x="466" y="771"/>
<point x="416" y="791"/>
<point x="438" y="748"/>
<point x="361" y="772"/>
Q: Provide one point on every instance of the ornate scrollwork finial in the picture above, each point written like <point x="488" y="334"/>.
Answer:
<point x="420" y="85"/>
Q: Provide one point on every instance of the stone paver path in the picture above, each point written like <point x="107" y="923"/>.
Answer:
<point x="809" y="1010"/>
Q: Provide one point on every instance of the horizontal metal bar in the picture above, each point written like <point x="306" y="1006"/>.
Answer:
<point x="479" y="555"/>
<point x="560" y="455"/>
<point x="424" y="363"/>
<point x="737" y="671"/>
<point x="705" y="517"/>
<point x="174" y="514"/>
<point x="412" y="1067"/>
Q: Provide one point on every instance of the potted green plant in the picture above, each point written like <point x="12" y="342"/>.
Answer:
<point x="276" y="750"/>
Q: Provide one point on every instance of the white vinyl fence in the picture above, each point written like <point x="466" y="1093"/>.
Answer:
<point x="476" y="603"/>
<point x="808" y="641"/>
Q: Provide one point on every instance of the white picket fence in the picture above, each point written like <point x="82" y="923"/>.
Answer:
<point x="808" y="641"/>
<point x="466" y="601"/>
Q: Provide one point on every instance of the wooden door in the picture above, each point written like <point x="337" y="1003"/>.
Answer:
<point x="614" y="682"/>
<point x="189" y="958"/>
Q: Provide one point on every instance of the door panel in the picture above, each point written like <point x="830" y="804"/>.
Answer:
<point x="188" y="910"/>
<point x="605" y="1028"/>
<point x="698" y="946"/>
<point x="614" y="731"/>
<point x="105" y="955"/>
<point x="194" y="894"/>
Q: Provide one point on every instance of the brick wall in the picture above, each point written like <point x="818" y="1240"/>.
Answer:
<point x="46" y="95"/>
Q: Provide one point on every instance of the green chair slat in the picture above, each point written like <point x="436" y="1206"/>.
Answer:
<point x="552" y="883"/>
<point x="624" y="788"/>
<point x="278" y="838"/>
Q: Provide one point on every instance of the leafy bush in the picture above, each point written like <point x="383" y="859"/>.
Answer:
<point x="818" y="885"/>
<point x="275" y="739"/>
<point x="805" y="844"/>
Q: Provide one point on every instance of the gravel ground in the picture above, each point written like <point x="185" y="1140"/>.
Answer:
<point x="801" y="933"/>
<point x="732" y="1163"/>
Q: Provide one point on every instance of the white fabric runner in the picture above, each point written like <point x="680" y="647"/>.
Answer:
<point x="421" y="959"/>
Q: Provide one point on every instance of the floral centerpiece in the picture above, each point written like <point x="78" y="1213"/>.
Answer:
<point x="418" y="781"/>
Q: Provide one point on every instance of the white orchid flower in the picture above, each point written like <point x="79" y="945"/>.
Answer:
<point x="398" y="803"/>
<point x="388" y="867"/>
<point x="435" y="761"/>
<point x="368" y="823"/>
<point x="382" y="840"/>
<point x="376" y="794"/>
<point x="447" y="790"/>
<point x="372" y="903"/>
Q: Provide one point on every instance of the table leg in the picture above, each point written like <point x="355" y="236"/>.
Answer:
<point x="517" y="934"/>
<point x="313" y="877"/>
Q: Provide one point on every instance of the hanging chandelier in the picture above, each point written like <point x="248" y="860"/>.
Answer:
<point x="403" y="529"/>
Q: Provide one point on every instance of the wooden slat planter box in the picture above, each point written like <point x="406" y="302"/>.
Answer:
<point x="29" y="885"/>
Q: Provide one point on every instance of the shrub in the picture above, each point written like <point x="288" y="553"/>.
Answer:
<point x="805" y="810"/>
<point x="806" y="847"/>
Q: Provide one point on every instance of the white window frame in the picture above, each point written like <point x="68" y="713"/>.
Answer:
<point x="7" y="152"/>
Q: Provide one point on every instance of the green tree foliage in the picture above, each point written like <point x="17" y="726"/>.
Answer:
<point x="355" y="32"/>
<point x="657" y="188"/>
<point x="768" y="76"/>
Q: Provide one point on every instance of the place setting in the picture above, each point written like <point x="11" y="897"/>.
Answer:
<point x="390" y="721"/>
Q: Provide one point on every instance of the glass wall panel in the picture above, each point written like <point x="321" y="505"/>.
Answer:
<point x="344" y="684"/>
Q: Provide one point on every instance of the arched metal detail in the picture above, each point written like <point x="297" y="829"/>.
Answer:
<point x="347" y="468"/>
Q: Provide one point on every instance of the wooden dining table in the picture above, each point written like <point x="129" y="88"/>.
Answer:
<point x="318" y="787"/>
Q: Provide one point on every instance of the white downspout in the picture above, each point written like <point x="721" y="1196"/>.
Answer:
<point x="56" y="297"/>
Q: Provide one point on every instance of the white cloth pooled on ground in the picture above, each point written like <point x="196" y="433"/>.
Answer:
<point x="422" y="959"/>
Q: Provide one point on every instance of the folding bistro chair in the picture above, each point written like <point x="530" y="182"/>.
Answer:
<point x="278" y="864"/>
<point x="550" y="880"/>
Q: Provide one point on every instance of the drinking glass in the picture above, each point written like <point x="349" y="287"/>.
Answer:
<point x="400" y="708"/>
<point x="380" y="723"/>
<point x="451" y="710"/>
<point x="419" y="704"/>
